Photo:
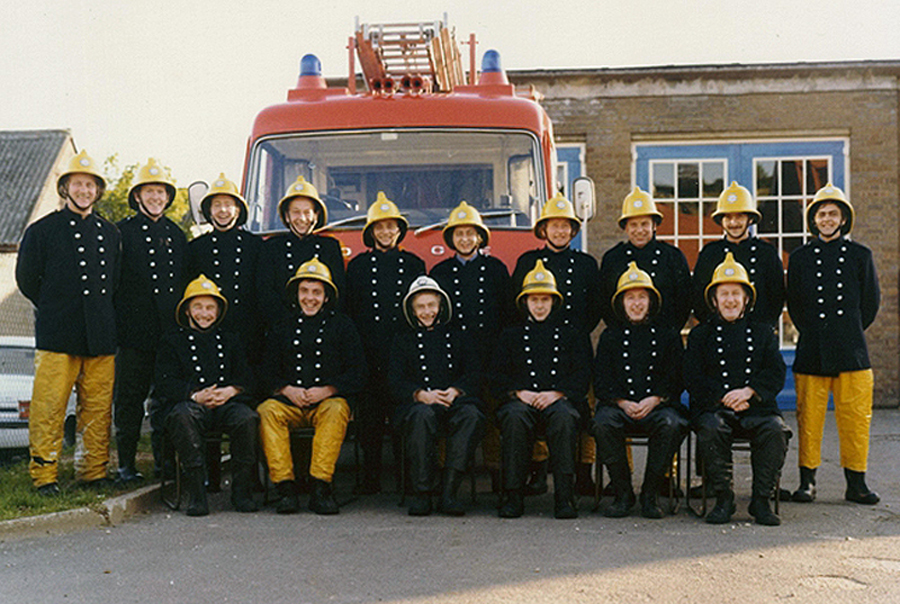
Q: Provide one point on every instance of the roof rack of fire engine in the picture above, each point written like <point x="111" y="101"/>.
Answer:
<point x="409" y="55"/>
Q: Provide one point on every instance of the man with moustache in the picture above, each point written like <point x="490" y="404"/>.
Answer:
<point x="68" y="267"/>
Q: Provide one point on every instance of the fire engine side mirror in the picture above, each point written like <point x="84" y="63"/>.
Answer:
<point x="583" y="197"/>
<point x="196" y="191"/>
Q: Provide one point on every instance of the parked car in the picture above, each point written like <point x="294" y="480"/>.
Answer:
<point x="16" y="380"/>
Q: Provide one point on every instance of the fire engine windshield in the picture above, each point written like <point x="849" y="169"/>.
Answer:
<point x="425" y="172"/>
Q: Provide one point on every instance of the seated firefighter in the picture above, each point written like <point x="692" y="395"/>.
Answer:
<point x="540" y="374"/>
<point x="637" y="382"/>
<point x="313" y="364"/>
<point x="203" y="384"/>
<point x="733" y="371"/>
<point x="435" y="381"/>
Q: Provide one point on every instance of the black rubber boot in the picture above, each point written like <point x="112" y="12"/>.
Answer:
<point x="564" y="506"/>
<point x="537" y="481"/>
<point x="195" y="484"/>
<point x="322" y="500"/>
<point x="806" y="492"/>
<point x="650" y="505"/>
<point x="857" y="491"/>
<point x="584" y="480"/>
<point x="450" y="505"/>
<point x="762" y="513"/>
<point x="620" y="481"/>
<point x="513" y="506"/>
<point x="621" y="505"/>
<point x="49" y="490"/>
<point x="420" y="505"/>
<point x="722" y="512"/>
<point x="242" y="489"/>
<point x="289" y="502"/>
<point x="128" y="475"/>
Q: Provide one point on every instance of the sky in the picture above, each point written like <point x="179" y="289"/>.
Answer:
<point x="182" y="80"/>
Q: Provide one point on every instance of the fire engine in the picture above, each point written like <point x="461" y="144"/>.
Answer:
<point x="420" y="132"/>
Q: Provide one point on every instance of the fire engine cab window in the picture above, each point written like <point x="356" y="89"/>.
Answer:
<point x="426" y="173"/>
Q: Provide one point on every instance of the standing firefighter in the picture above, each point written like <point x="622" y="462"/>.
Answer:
<point x="68" y="267"/>
<point x="153" y="275"/>
<point x="736" y="212"/>
<point x="637" y="382"/>
<point x="434" y="375"/>
<point x="228" y="255"/>
<point x="377" y="280"/>
<point x="203" y="383"/>
<point x="314" y="363"/>
<point x="733" y="371"/>
<point x="833" y="296"/>
<point x="303" y="212"/>
<point x="540" y="374"/>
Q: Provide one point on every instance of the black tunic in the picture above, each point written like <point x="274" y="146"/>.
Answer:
<point x="433" y="359"/>
<point x="280" y="257"/>
<point x="68" y="267"/>
<point x="323" y="350"/>
<point x="154" y="256"/>
<point x="764" y="268"/>
<point x="230" y="259"/>
<point x="577" y="279"/>
<point x="667" y="267"/>
<point x="722" y="356"/>
<point x="542" y="356"/>
<point x="637" y="361"/>
<point x="832" y="296"/>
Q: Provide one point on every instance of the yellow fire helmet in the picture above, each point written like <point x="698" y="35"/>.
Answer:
<point x="201" y="286"/>
<point x="81" y="164"/>
<point x="223" y="186"/>
<point x="639" y="203"/>
<point x="301" y="188"/>
<point x="736" y="199"/>
<point x="729" y="271"/>
<point x="150" y="173"/>
<point x="383" y="209"/>
<point x="312" y="269"/>
<point x="831" y="194"/>
<point x="635" y="278"/>
<point x="539" y="280"/>
<point x="557" y="207"/>
<point x="465" y="215"/>
<point x="426" y="284"/>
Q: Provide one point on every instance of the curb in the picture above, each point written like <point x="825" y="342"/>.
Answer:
<point x="111" y="512"/>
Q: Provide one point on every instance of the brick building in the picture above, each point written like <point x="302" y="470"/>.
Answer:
<point x="781" y="130"/>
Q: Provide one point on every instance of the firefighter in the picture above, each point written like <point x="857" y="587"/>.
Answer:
<point x="733" y="370"/>
<point x="833" y="297"/>
<point x="68" y="267"/>
<point x="540" y="374"/>
<point x="153" y="276"/>
<point x="314" y="364"/>
<point x="579" y="285"/>
<point x="665" y="264"/>
<point x="228" y="255"/>
<point x="434" y="377"/>
<point x="303" y="212"/>
<point x="377" y="279"/>
<point x="736" y="212"/>
<point x="637" y="382"/>
<point x="482" y="301"/>
<point x="204" y="383"/>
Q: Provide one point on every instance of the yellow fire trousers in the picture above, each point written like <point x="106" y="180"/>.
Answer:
<point x="276" y="420"/>
<point x="55" y="374"/>
<point x="852" y="392"/>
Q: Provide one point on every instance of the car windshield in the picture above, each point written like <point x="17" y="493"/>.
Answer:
<point x="16" y="360"/>
<point x="425" y="172"/>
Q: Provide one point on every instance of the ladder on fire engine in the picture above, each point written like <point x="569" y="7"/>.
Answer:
<point x="397" y="50"/>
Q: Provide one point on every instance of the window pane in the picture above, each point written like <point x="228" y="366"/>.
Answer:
<point x="766" y="178"/>
<point x="690" y="248"/>
<point x="769" y="211"/>
<point x="668" y="223"/>
<point x="688" y="181"/>
<point x="792" y="217"/>
<point x="816" y="175"/>
<point x="663" y="181"/>
<point x="709" y="225"/>
<point x="790" y="244"/>
<point x="791" y="177"/>
<point x="688" y="219"/>
<point x="713" y="177"/>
